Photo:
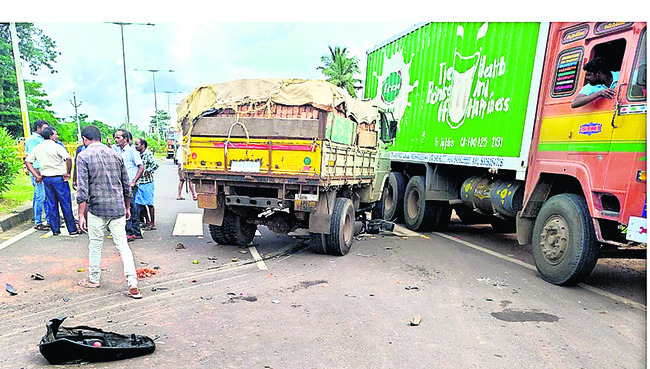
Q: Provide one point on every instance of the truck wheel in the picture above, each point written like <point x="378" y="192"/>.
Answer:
<point x="418" y="213"/>
<point x="393" y="196"/>
<point x="218" y="234"/>
<point x="238" y="232"/>
<point x="564" y="246"/>
<point x="341" y="234"/>
<point x="318" y="242"/>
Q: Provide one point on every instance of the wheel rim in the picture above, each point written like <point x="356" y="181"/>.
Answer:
<point x="348" y="229"/>
<point x="554" y="240"/>
<point x="413" y="204"/>
<point x="389" y="198"/>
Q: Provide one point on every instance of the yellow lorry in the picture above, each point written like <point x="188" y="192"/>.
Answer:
<point x="286" y="154"/>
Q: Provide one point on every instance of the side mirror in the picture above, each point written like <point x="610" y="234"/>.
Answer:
<point x="392" y="131"/>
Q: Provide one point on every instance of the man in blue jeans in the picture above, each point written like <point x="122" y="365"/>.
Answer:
<point x="134" y="168"/>
<point x="39" y="190"/>
<point x="55" y="175"/>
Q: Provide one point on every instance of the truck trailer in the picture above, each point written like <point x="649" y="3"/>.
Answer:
<point x="486" y="127"/>
<point x="287" y="154"/>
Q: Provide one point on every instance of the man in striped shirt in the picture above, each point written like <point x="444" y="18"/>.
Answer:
<point x="103" y="190"/>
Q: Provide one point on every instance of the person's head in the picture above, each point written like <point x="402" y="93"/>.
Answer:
<point x="141" y="144"/>
<point x="597" y="71"/>
<point x="49" y="133"/>
<point x="90" y="134"/>
<point x="121" y="137"/>
<point x="40" y="125"/>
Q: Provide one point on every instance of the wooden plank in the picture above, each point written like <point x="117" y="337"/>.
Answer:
<point x="257" y="127"/>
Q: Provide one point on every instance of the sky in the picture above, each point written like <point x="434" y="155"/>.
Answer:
<point x="91" y="66"/>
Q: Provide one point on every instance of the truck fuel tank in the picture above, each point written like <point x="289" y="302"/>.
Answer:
<point x="493" y="196"/>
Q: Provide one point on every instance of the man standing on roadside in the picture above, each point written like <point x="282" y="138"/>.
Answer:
<point x="144" y="197"/>
<point x="103" y="193"/>
<point x="54" y="175"/>
<point x="134" y="168"/>
<point x="39" y="189"/>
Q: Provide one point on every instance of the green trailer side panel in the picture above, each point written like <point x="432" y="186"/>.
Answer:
<point x="457" y="88"/>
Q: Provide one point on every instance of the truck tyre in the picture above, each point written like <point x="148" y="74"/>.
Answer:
<point x="418" y="213"/>
<point x="218" y="234"/>
<point x="318" y="242"/>
<point x="341" y="234"/>
<point x="393" y="196"/>
<point x="564" y="245"/>
<point x="237" y="231"/>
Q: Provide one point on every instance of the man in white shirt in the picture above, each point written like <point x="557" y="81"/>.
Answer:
<point x="56" y="164"/>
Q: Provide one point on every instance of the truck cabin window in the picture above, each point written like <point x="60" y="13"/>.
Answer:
<point x="638" y="81"/>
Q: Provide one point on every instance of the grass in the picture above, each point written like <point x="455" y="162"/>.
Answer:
<point x="20" y="192"/>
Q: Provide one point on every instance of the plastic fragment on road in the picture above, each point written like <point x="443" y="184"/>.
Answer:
<point x="37" y="277"/>
<point x="416" y="320"/>
<point x="195" y="262"/>
<point x="180" y="246"/>
<point x="62" y="345"/>
<point x="11" y="290"/>
<point x="81" y="270"/>
<point x="234" y="260"/>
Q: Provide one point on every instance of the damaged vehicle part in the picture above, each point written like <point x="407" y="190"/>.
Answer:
<point x="87" y="344"/>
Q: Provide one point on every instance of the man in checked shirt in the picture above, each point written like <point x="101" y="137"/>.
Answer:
<point x="103" y="189"/>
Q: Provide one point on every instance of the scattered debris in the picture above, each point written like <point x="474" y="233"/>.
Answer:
<point x="154" y="289"/>
<point x="11" y="290"/>
<point x="412" y="288"/>
<point x="243" y="251"/>
<point x="206" y="297"/>
<point x="156" y="267"/>
<point x="489" y="299"/>
<point x="144" y="262"/>
<point x="37" y="277"/>
<point x="366" y="256"/>
<point x="213" y="258"/>
<point x="144" y="273"/>
<point x="180" y="246"/>
<point x="80" y="270"/>
<point x="416" y="320"/>
<point x="193" y="281"/>
<point x="275" y="301"/>
<point x="195" y="262"/>
<point x="66" y="299"/>
<point x="234" y="260"/>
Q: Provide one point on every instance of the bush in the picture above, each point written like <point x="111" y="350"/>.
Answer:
<point x="9" y="161"/>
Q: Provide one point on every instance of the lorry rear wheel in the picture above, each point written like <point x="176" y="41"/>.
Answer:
<point x="341" y="234"/>
<point x="237" y="231"/>
<point x="218" y="234"/>
<point x="393" y="196"/>
<point x="418" y="213"/>
<point x="564" y="245"/>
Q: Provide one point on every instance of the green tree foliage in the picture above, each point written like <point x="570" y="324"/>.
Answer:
<point x="37" y="51"/>
<point x="340" y="69"/>
<point x="160" y="120"/>
<point x="9" y="161"/>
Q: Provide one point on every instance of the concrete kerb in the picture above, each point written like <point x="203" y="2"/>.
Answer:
<point x="25" y="212"/>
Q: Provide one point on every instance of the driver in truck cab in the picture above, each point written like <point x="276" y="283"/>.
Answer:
<point x="600" y="83"/>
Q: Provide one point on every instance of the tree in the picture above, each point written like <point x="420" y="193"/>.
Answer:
<point x="340" y="69"/>
<point x="38" y="51"/>
<point x="160" y="120"/>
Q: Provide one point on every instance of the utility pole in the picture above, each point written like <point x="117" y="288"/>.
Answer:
<point x="126" y="89"/>
<point x="19" y="79"/>
<point x="76" y="115"/>
<point x="155" y="98"/>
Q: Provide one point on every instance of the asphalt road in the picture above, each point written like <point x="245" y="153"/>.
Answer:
<point x="480" y="303"/>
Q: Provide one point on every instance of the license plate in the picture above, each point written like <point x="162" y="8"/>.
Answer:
<point x="245" y="166"/>
<point x="637" y="230"/>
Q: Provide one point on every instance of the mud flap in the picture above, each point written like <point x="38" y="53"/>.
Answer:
<point x="86" y="344"/>
<point x="320" y="220"/>
<point x="215" y="215"/>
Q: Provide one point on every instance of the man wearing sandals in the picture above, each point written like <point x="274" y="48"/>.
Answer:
<point x="103" y="190"/>
<point x="144" y="196"/>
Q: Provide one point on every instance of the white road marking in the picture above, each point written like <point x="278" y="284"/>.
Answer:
<point x="258" y="259"/>
<point x="16" y="238"/>
<point x="188" y="224"/>
<point x="531" y="267"/>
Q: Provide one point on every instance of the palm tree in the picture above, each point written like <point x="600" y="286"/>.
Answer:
<point x="340" y="69"/>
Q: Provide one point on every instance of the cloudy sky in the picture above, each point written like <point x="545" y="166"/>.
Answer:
<point x="90" y="64"/>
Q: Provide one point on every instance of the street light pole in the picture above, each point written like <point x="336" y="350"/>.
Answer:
<point x="76" y="115"/>
<point x="126" y="89"/>
<point x="170" y="92"/>
<point x="155" y="98"/>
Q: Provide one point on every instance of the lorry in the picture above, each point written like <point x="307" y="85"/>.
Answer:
<point x="286" y="154"/>
<point x="486" y="128"/>
<point x="172" y="144"/>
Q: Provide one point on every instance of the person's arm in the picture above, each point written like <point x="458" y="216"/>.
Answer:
<point x="582" y="100"/>
<point x="33" y="171"/>
<point x="138" y="175"/>
<point x="68" y="168"/>
<point x="82" y="216"/>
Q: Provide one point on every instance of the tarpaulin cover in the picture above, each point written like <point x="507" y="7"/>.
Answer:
<point x="86" y="344"/>
<point x="323" y="95"/>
